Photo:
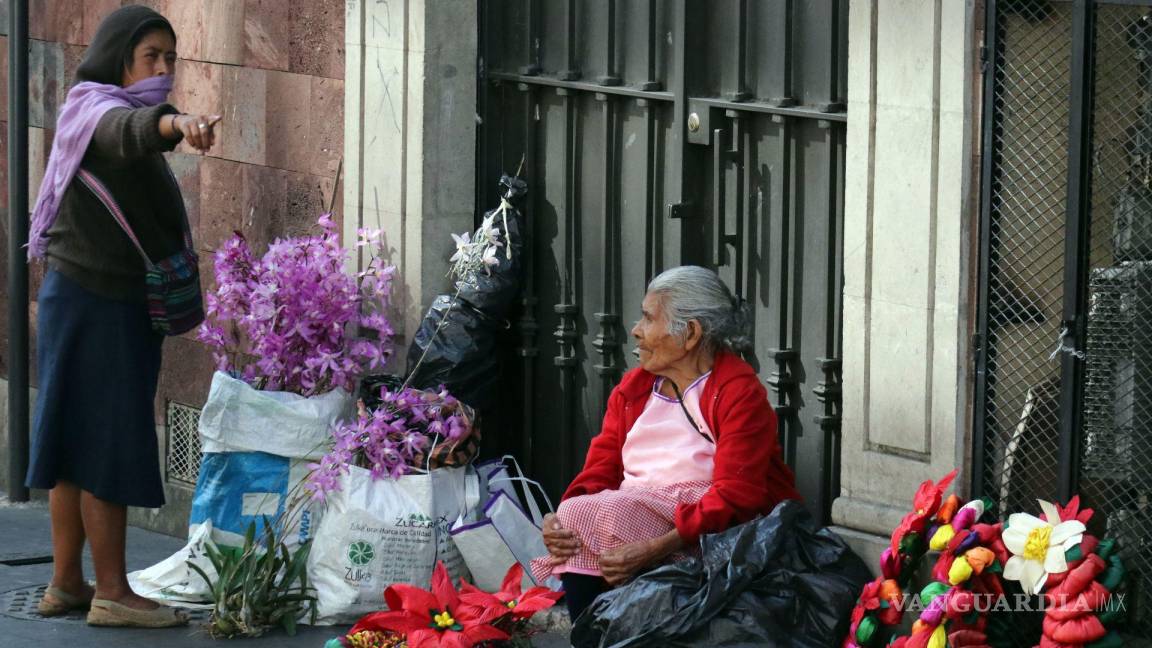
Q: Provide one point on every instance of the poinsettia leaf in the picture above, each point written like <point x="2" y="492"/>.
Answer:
<point x="402" y="596"/>
<point x="512" y="580"/>
<point x="396" y="621"/>
<point x="442" y="587"/>
<point x="484" y="632"/>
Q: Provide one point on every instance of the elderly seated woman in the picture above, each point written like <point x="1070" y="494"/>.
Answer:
<point x="688" y="445"/>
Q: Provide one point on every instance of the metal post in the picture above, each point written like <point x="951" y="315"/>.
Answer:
<point x="980" y="344"/>
<point x="17" y="235"/>
<point x="1076" y="251"/>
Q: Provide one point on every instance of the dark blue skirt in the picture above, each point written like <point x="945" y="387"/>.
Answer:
<point x="95" y="425"/>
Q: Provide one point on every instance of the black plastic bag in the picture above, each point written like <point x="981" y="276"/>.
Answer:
<point x="776" y="581"/>
<point x="493" y="292"/>
<point x="462" y="356"/>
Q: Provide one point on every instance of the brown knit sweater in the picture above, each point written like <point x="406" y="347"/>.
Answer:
<point x="86" y="244"/>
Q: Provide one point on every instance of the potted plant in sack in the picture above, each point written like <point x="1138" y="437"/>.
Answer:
<point x="292" y="332"/>
<point x="394" y="480"/>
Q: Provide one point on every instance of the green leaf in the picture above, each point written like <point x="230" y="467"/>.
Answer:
<point x="207" y="581"/>
<point x="289" y="622"/>
<point x="249" y="536"/>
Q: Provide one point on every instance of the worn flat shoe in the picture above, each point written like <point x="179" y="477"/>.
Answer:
<point x="63" y="602"/>
<point x="114" y="615"/>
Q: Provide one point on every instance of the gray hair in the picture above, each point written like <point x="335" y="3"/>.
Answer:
<point x="691" y="293"/>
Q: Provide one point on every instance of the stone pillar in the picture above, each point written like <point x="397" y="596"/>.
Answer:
<point x="910" y="214"/>
<point x="410" y="138"/>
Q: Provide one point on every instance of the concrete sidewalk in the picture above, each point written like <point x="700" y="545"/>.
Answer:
<point x="25" y="565"/>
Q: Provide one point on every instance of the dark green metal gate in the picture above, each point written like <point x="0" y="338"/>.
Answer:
<point x="654" y="134"/>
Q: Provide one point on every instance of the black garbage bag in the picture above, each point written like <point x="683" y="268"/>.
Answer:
<point x="462" y="356"/>
<point x="776" y="581"/>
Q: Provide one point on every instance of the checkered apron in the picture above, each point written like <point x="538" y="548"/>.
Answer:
<point x="613" y="518"/>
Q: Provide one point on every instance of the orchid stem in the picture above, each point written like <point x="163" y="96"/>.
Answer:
<point x="443" y="322"/>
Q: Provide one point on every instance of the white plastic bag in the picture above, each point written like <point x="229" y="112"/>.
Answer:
<point x="240" y="418"/>
<point x="377" y="533"/>
<point x="173" y="581"/>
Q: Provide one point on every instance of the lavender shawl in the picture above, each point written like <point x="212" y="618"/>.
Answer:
<point x="86" y="104"/>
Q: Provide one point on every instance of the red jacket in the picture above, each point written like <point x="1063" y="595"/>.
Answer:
<point x="749" y="474"/>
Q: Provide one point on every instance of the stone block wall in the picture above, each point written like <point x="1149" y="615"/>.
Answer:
<point x="273" y="68"/>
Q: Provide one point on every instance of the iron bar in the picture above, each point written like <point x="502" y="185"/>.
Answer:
<point x="980" y="341"/>
<point x="653" y="229"/>
<point x="582" y="86"/>
<point x="606" y="342"/>
<point x="611" y="75"/>
<point x="533" y="67"/>
<point x="18" y="297"/>
<point x="572" y="72"/>
<point x="653" y="82"/>
<point x="528" y="326"/>
<point x="786" y="98"/>
<point x="719" y="196"/>
<point x="740" y="93"/>
<point x="567" y="332"/>
<point x="1076" y="250"/>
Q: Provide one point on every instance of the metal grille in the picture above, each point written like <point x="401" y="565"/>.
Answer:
<point x="1026" y="248"/>
<point x="1067" y="254"/>
<point x="183" y="443"/>
<point x="1116" y="453"/>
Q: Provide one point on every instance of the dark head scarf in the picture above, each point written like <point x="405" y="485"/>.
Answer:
<point x="97" y="90"/>
<point x="118" y="35"/>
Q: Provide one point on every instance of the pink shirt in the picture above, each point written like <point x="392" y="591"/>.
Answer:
<point x="663" y="448"/>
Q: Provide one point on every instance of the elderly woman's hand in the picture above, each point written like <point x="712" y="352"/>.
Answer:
<point x="619" y="564"/>
<point x="561" y="543"/>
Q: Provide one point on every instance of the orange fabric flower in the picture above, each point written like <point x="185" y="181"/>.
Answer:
<point x="979" y="558"/>
<point x="948" y="509"/>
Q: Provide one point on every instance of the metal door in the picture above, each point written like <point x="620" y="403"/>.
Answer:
<point x="656" y="133"/>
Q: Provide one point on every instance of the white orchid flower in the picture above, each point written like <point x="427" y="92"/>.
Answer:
<point x="1038" y="546"/>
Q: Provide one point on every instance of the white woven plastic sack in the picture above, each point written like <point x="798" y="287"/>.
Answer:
<point x="239" y="418"/>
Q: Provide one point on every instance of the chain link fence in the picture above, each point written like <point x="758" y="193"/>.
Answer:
<point x="1029" y="154"/>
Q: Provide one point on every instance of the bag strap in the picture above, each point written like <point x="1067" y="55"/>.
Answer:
<point x="102" y="193"/>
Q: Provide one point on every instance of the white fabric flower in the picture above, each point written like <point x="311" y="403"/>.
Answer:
<point x="1038" y="546"/>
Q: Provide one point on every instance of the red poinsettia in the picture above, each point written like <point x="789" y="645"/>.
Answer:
<point x="433" y="619"/>
<point x="511" y="596"/>
<point x="924" y="506"/>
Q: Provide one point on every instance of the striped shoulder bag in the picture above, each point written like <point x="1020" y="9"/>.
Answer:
<point x="175" y="303"/>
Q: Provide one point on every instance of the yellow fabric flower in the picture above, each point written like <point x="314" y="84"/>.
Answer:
<point x="942" y="537"/>
<point x="1038" y="546"/>
<point x="939" y="638"/>
<point x="444" y="620"/>
<point x="960" y="571"/>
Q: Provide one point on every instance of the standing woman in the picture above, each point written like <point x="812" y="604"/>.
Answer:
<point x="110" y="222"/>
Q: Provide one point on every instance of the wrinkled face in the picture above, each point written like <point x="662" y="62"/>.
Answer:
<point x="658" y="348"/>
<point x="155" y="55"/>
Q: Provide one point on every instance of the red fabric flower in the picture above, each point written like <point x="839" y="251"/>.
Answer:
<point x="924" y="505"/>
<point x="1071" y="512"/>
<point x="511" y="597"/>
<point x="433" y="619"/>
<point x="968" y="639"/>
<point x="1078" y="631"/>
